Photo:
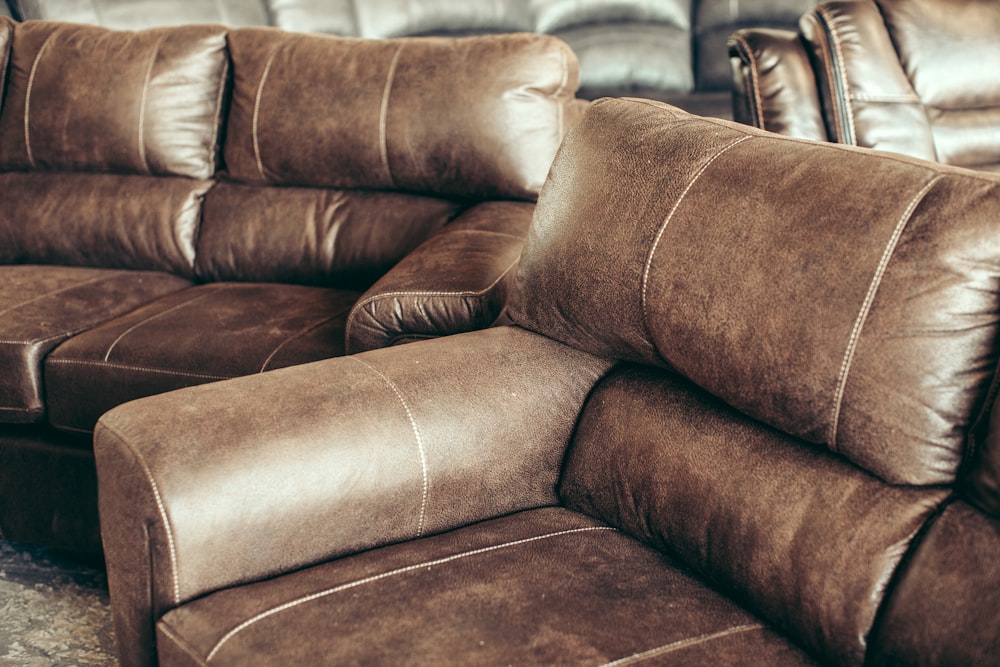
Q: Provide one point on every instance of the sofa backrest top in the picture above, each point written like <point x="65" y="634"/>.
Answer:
<point x="913" y="76"/>
<point x="846" y="297"/>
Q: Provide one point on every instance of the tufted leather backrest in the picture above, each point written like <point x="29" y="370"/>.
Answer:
<point x="883" y="350"/>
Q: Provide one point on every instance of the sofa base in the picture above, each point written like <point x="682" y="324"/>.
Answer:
<point x="48" y="487"/>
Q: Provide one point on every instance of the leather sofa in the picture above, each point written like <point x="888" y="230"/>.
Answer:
<point x="918" y="77"/>
<point x="742" y="414"/>
<point x="188" y="204"/>
<point x="665" y="49"/>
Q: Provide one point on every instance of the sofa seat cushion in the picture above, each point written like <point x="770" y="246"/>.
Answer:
<point x="205" y="333"/>
<point x="547" y="586"/>
<point x="41" y="306"/>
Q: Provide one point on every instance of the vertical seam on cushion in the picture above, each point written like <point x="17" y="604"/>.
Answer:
<point x="301" y="332"/>
<point x="256" y="109"/>
<point x="663" y="227"/>
<point x="683" y="644"/>
<point x="385" y="575"/>
<point x="27" y="99"/>
<point x="840" y="73"/>
<point x="142" y="103"/>
<point x="383" y="116"/>
<point x="160" y="507"/>
<point x="421" y="450"/>
<point x="121" y="336"/>
<point x="859" y="322"/>
<point x="744" y="46"/>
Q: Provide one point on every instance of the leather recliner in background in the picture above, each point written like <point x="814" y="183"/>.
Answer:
<point x="919" y="77"/>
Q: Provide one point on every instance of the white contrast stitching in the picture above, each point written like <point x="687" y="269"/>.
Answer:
<point x="256" y="109"/>
<point x="663" y="227"/>
<point x="160" y="508"/>
<point x="142" y="104"/>
<point x="107" y="355"/>
<point x="682" y="644"/>
<point x="420" y="441"/>
<point x="48" y="294"/>
<point x="383" y="116"/>
<point x="385" y="575"/>
<point x="859" y="322"/>
<point x="301" y="332"/>
<point x="27" y="99"/>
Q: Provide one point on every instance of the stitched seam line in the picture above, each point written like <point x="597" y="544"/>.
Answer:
<point x="841" y="74"/>
<point x="256" y="110"/>
<point x="385" y="575"/>
<point x="421" y="450"/>
<point x="27" y="99"/>
<point x="663" y="228"/>
<point x="392" y="295"/>
<point x="142" y="104"/>
<point x="298" y="334"/>
<point x="107" y="354"/>
<point x="383" y="116"/>
<point x="129" y="367"/>
<point x="48" y="294"/>
<point x="866" y="305"/>
<point x="682" y="644"/>
<point x="160" y="508"/>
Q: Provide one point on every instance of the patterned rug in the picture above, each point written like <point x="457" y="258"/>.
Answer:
<point x="53" y="610"/>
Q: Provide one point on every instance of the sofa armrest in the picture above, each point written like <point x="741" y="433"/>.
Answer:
<point x="773" y="84"/>
<point x="236" y="481"/>
<point x="456" y="281"/>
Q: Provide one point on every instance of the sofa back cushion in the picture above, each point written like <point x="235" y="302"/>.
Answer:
<point x="126" y="15"/>
<point x="85" y="98"/>
<point x="845" y="297"/>
<point x="912" y="76"/>
<point x="478" y="118"/>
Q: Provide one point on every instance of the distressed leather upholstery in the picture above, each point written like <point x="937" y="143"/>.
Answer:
<point x="727" y="424"/>
<point x="189" y="204"/>
<point x="673" y="50"/>
<point x="911" y="76"/>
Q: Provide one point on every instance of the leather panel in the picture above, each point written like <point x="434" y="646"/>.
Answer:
<point x="547" y="587"/>
<point x="555" y="15"/>
<point x="138" y="14"/>
<point x="456" y="281"/>
<point x="334" y="17"/>
<point x="240" y="508"/>
<point x="85" y="98"/>
<point x="888" y="338"/>
<point x="773" y="84"/>
<point x="731" y="498"/>
<point x="205" y="333"/>
<point x="346" y="239"/>
<point x="868" y="99"/>
<point x="101" y="220"/>
<point x="41" y="306"/>
<point x="399" y="18"/>
<point x="490" y="129"/>
<point x="944" y="607"/>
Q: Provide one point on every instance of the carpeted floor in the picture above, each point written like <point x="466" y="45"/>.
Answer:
<point x="53" y="610"/>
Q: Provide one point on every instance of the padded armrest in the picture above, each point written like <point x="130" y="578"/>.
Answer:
<point x="235" y="481"/>
<point x="454" y="282"/>
<point x="773" y="84"/>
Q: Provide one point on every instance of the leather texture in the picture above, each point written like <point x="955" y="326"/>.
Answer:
<point x="457" y="281"/>
<point x="908" y="76"/>
<point x="44" y="306"/>
<point x="470" y="598"/>
<point x="139" y="14"/>
<point x="728" y="305"/>
<point x="202" y="334"/>
<point x="679" y="469"/>
<point x="498" y="106"/>
<point x="157" y="111"/>
<point x="773" y="83"/>
<point x="171" y="533"/>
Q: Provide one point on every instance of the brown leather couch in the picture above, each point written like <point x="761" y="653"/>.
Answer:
<point x="184" y="205"/>
<point x="742" y="415"/>
<point x="665" y="49"/>
<point x="919" y="77"/>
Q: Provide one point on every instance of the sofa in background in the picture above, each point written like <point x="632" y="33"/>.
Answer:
<point x="188" y="204"/>
<point x="673" y="50"/>
<point x="743" y="415"/>
<point x="919" y="77"/>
